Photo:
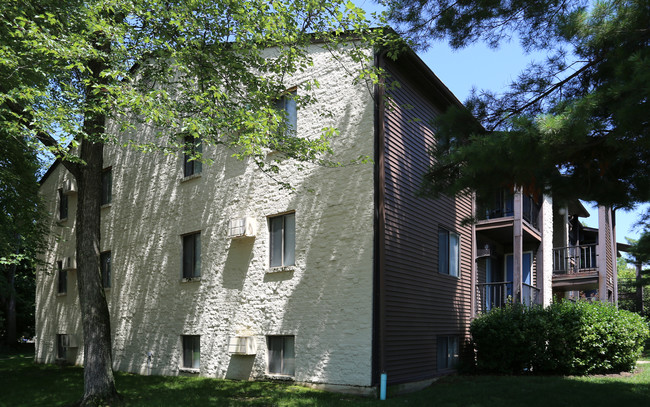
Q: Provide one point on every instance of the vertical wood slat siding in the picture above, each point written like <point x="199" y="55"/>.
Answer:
<point x="420" y="302"/>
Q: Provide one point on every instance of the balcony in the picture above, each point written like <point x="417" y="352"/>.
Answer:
<point x="502" y="206"/>
<point x="575" y="259"/>
<point x="575" y="267"/>
<point x="496" y="295"/>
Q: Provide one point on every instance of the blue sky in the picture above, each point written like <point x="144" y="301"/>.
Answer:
<point x="492" y="69"/>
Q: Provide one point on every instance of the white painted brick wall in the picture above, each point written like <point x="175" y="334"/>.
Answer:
<point x="325" y="301"/>
<point x="547" y="249"/>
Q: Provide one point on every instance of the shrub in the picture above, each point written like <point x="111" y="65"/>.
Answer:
<point x="564" y="338"/>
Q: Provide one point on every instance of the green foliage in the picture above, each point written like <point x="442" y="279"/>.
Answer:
<point x="21" y="234"/>
<point x="565" y="338"/>
<point x="208" y="69"/>
<point x="573" y="125"/>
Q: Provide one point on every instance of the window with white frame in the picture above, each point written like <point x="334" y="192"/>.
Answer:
<point x="282" y="230"/>
<point x="62" y="278"/>
<point x="191" y="157"/>
<point x="448" y="252"/>
<point x="281" y="355"/>
<point x="105" y="263"/>
<point x="447" y="352"/>
<point x="107" y="186"/>
<point x="192" y="255"/>
<point x="191" y="351"/>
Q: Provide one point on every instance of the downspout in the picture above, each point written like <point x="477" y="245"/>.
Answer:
<point x="380" y="230"/>
<point x="474" y="260"/>
<point x="517" y="247"/>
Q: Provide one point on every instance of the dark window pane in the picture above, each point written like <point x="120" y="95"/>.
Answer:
<point x="63" y="278"/>
<point x="107" y="186"/>
<point x="275" y="354"/>
<point x="197" y="256"/>
<point x="281" y="355"/>
<point x="289" y="239"/>
<point x="192" y="255"/>
<point x="188" y="256"/>
<point x="288" y="356"/>
<point x="193" y="146"/>
<point x="276" y="241"/>
<point x="63" y="205"/>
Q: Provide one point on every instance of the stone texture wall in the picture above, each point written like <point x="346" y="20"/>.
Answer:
<point x="325" y="300"/>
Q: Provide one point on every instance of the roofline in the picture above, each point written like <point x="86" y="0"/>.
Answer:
<point x="49" y="171"/>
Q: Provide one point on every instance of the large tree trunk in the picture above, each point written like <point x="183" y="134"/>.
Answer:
<point x="99" y="384"/>
<point x="11" y="306"/>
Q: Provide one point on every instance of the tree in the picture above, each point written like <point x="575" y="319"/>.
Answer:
<point x="575" y="124"/>
<point x="20" y="233"/>
<point x="186" y="69"/>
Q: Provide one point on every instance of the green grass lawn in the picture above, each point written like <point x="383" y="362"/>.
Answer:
<point x="23" y="383"/>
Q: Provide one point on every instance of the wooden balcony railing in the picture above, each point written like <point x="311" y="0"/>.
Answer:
<point x="495" y="295"/>
<point x="575" y="259"/>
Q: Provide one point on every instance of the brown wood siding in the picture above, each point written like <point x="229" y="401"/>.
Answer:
<point x="420" y="302"/>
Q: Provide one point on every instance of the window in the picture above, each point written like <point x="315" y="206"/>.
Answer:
<point x="447" y="352"/>
<point x="63" y="205"/>
<point x="281" y="356"/>
<point x="193" y="148"/>
<point x="192" y="255"/>
<point x="63" y="278"/>
<point x="448" y="252"/>
<point x="286" y="105"/>
<point x="191" y="351"/>
<point x="283" y="240"/>
<point x="61" y="346"/>
<point x="105" y="262"/>
<point x="107" y="186"/>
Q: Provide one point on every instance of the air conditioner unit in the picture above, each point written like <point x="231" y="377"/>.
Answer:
<point x="242" y="345"/>
<point x="242" y="227"/>
<point x="486" y="251"/>
<point x="70" y="263"/>
<point x="69" y="187"/>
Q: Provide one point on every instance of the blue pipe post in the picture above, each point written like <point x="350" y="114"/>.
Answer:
<point x="382" y="386"/>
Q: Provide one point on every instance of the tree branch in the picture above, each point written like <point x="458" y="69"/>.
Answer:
<point x="544" y="94"/>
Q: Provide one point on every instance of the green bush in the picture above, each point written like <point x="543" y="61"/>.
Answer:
<point x="564" y="338"/>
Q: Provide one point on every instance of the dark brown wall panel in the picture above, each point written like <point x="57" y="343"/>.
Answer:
<point x="420" y="303"/>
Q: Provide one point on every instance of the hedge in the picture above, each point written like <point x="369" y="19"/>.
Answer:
<point x="574" y="338"/>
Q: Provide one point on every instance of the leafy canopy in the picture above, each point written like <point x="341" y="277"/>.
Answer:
<point x="574" y="125"/>
<point x="198" y="68"/>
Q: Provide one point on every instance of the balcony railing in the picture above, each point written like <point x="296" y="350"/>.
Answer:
<point x="575" y="259"/>
<point x="530" y="211"/>
<point x="503" y="206"/>
<point x="495" y="295"/>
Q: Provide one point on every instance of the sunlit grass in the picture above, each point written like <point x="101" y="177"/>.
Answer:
<point x="23" y="383"/>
